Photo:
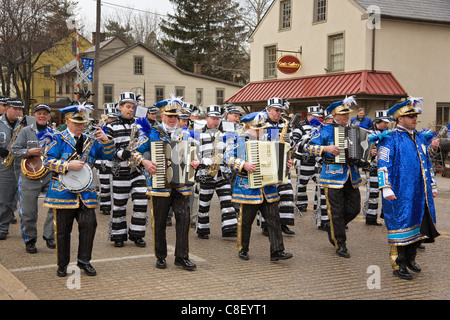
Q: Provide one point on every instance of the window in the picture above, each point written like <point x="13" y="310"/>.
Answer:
<point x="336" y="53"/>
<point x="199" y="97"/>
<point x="46" y="96"/>
<point x="179" y="91"/>
<point x="442" y="115"/>
<point x="270" y="61"/>
<point x="138" y="65"/>
<point x="47" y="71"/>
<point x="320" y="10"/>
<point x="67" y="85"/>
<point x="159" y="94"/>
<point x="285" y="14"/>
<point x="220" y="96"/>
<point x="108" y="93"/>
<point x="60" y="86"/>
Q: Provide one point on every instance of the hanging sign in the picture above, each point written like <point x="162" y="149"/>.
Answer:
<point x="289" y="64"/>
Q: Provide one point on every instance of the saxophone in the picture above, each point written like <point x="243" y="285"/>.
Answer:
<point x="8" y="160"/>
<point x="131" y="163"/>
<point x="216" y="157"/>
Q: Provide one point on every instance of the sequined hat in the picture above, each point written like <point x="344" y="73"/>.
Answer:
<point x="152" y="110"/>
<point x="410" y="106"/>
<point x="342" y="107"/>
<point x="255" y="120"/>
<point x="170" y="106"/>
<point x="4" y="100"/>
<point x="77" y="113"/>
<point x="110" y="109"/>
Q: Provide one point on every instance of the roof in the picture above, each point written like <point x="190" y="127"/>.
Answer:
<point x="379" y="83"/>
<point x="432" y="11"/>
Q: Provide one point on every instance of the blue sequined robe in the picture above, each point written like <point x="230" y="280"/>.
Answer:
<point x="405" y="166"/>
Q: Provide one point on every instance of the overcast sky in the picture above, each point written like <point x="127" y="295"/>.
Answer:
<point x="87" y="9"/>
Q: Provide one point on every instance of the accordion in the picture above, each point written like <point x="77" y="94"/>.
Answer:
<point x="353" y="144"/>
<point x="270" y="160"/>
<point x="173" y="163"/>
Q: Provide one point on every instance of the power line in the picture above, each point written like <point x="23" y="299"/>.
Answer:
<point x="129" y="8"/>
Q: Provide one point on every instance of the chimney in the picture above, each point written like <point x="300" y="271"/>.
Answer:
<point x="102" y="37"/>
<point x="197" y="68"/>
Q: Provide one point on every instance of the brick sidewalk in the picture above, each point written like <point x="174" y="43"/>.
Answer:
<point x="315" y="271"/>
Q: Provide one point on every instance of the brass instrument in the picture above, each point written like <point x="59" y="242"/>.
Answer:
<point x="216" y="157"/>
<point x="131" y="163"/>
<point x="33" y="167"/>
<point x="9" y="159"/>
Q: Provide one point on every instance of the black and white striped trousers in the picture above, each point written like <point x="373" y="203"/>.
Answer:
<point x="306" y="172"/>
<point x="124" y="184"/>
<point x="223" y="189"/>
<point x="286" y="206"/>
<point x="104" y="177"/>
<point x="371" y="204"/>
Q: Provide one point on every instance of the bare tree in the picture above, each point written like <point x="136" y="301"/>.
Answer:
<point x="27" y="29"/>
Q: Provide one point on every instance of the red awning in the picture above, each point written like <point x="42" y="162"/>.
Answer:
<point x="360" y="83"/>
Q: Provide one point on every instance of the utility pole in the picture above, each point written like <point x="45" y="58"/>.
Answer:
<point x="97" y="61"/>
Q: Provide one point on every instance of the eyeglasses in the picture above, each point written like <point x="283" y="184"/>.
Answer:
<point x="412" y="116"/>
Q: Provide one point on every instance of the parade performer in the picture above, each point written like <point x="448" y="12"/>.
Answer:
<point x="214" y="175"/>
<point x="126" y="177"/>
<point x="28" y="149"/>
<point x="251" y="200"/>
<point x="408" y="184"/>
<point x="64" y="155"/>
<point x="370" y="208"/>
<point x="162" y="199"/>
<point x="278" y="129"/>
<point x="341" y="181"/>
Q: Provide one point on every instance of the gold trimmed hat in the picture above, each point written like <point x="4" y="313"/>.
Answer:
<point x="170" y="107"/>
<point x="255" y="120"/>
<point x="341" y="107"/>
<point x="410" y="106"/>
<point x="77" y="113"/>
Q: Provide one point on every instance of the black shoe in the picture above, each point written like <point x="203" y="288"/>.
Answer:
<point x="326" y="226"/>
<point x="413" y="266"/>
<point x="118" y="244"/>
<point x="61" y="272"/>
<point x="51" y="244"/>
<point x="31" y="246"/>
<point x="243" y="255"/>
<point x="343" y="252"/>
<point x="286" y="230"/>
<point x="403" y="273"/>
<point x="2" y="236"/>
<point x="13" y="220"/>
<point x="203" y="236"/>
<point x="88" y="269"/>
<point x="169" y="222"/>
<point x="139" y="242"/>
<point x="185" y="263"/>
<point x="373" y="223"/>
<point x="302" y="208"/>
<point x="161" y="263"/>
<point x="280" y="255"/>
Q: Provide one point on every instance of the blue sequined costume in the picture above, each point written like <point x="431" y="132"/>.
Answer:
<point x="405" y="167"/>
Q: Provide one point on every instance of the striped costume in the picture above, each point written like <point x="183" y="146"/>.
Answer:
<point x="126" y="180"/>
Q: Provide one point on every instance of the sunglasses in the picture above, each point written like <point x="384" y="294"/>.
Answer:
<point x="412" y="116"/>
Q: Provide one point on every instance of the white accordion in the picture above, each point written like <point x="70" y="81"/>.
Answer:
<point x="270" y="160"/>
<point x="173" y="163"/>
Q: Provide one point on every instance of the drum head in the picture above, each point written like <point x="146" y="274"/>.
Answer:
<point x="77" y="181"/>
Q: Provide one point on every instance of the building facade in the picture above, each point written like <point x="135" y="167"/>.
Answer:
<point x="379" y="50"/>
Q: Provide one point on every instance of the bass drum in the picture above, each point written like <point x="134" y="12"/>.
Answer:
<point x="77" y="181"/>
